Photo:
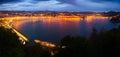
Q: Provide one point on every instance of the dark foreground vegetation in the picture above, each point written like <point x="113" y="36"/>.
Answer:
<point x="11" y="46"/>
<point x="103" y="44"/>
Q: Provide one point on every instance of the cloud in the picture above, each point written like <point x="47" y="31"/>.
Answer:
<point x="62" y="5"/>
<point x="100" y="1"/>
<point x="66" y="1"/>
<point x="9" y="1"/>
<point x="52" y="5"/>
<point x="41" y="0"/>
<point x="94" y="5"/>
<point x="37" y="1"/>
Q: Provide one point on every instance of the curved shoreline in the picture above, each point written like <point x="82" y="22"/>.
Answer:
<point x="21" y="37"/>
<point x="24" y="39"/>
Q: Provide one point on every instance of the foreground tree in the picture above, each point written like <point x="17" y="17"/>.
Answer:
<point x="10" y="45"/>
<point x="106" y="44"/>
<point x="36" y="50"/>
<point x="72" y="47"/>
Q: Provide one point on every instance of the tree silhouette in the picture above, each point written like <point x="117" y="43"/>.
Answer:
<point x="36" y="50"/>
<point x="10" y="45"/>
<point x="74" y="47"/>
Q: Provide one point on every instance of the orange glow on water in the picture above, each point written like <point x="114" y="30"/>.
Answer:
<point x="89" y="18"/>
<point x="92" y="17"/>
<point x="46" y="20"/>
<point x="61" y="21"/>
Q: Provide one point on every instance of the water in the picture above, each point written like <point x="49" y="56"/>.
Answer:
<point x="53" y="29"/>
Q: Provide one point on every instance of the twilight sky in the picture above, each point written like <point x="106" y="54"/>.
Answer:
<point x="60" y="5"/>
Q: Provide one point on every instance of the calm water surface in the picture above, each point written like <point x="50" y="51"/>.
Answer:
<point x="53" y="29"/>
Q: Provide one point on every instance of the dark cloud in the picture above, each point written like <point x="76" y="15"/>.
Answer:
<point x="67" y="1"/>
<point x="41" y="0"/>
<point x="9" y="1"/>
<point x="118" y="1"/>
<point x="36" y="1"/>
<point x="61" y="5"/>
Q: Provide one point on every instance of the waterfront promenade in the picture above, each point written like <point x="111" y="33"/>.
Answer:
<point x="5" y="22"/>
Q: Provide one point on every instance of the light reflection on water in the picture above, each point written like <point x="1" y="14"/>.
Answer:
<point x="53" y="29"/>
